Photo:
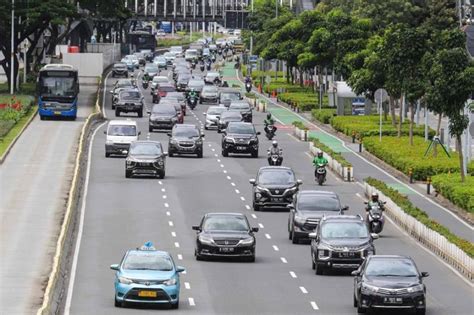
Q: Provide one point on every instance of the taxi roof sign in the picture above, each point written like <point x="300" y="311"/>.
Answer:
<point x="147" y="246"/>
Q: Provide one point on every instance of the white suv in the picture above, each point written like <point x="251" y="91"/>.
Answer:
<point x="119" y="135"/>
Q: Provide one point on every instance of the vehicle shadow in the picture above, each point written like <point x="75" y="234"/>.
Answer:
<point x="143" y="306"/>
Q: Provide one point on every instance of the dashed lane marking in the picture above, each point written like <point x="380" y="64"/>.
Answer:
<point x="218" y="160"/>
<point x="225" y="172"/>
<point x="268" y="236"/>
<point x="160" y="182"/>
<point x="173" y="234"/>
<point x="248" y="208"/>
<point x="180" y="257"/>
<point x="314" y="305"/>
<point x="283" y="260"/>
<point x="222" y="165"/>
<point x="191" y="301"/>
<point x="260" y="225"/>
<point x="303" y="289"/>
<point x="228" y="177"/>
<point x="242" y="198"/>
<point x="275" y="248"/>
<point x="187" y="285"/>
<point x="168" y="213"/>
<point x="237" y="191"/>
<point x="233" y="184"/>
<point x="164" y="197"/>
<point x="253" y="214"/>
<point x="166" y="205"/>
<point x="293" y="274"/>
<point x="176" y="244"/>
<point x="163" y="190"/>
<point x="170" y="223"/>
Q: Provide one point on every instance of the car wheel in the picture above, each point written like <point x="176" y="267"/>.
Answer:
<point x="361" y="310"/>
<point x="199" y="154"/>
<point x="355" y="301"/>
<point x="107" y="154"/>
<point x="113" y="106"/>
<point x="290" y="235"/>
<point x="225" y="153"/>
<point x="117" y="303"/>
<point x="128" y="174"/>
<point x="150" y="129"/>
<point x="206" y="128"/>
<point x="319" y="269"/>
<point x="294" y="239"/>
<point x="161" y="175"/>
<point x="200" y="101"/>
<point x="198" y="257"/>
<point x="255" y="154"/>
<point x="313" y="264"/>
<point x="113" y="75"/>
<point x="256" y="207"/>
<point x="140" y="113"/>
<point x="117" y="112"/>
<point x="170" y="154"/>
<point x="175" y="306"/>
<point x="420" y="311"/>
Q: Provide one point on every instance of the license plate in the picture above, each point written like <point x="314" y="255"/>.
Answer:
<point x="346" y="254"/>
<point x="57" y="113"/>
<point x="393" y="300"/>
<point x="277" y="199"/>
<point x="226" y="249"/>
<point x="147" y="293"/>
<point x="241" y="148"/>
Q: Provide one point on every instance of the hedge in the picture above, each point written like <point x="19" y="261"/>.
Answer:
<point x="369" y="126"/>
<point x="299" y="125"/>
<point x="324" y="115"/>
<point x="335" y="155"/>
<point x="400" y="154"/>
<point x="12" y="109"/>
<point x="405" y="204"/>
<point x="451" y="187"/>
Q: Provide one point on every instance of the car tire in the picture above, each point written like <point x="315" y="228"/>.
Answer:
<point x="150" y="129"/>
<point x="107" y="154"/>
<point x="161" y="175"/>
<point x="113" y="106"/>
<point x="200" y="101"/>
<point x="355" y="301"/>
<point x="255" y="154"/>
<point x="294" y="239"/>
<point x="205" y="127"/>
<point x="170" y="154"/>
<point x="113" y="75"/>
<point x="199" y="155"/>
<point x="256" y="207"/>
<point x="225" y="153"/>
<point x="313" y="264"/>
<point x="197" y="256"/>
<point x="117" y="303"/>
<point x="361" y="310"/>
<point x="319" y="270"/>
<point x="128" y="174"/>
<point x="175" y="306"/>
<point x="420" y="311"/>
<point x="140" y="113"/>
<point x="117" y="113"/>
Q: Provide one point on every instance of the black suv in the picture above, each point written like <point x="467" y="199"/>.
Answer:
<point x="162" y="116"/>
<point x="185" y="139"/>
<point x="274" y="186"/>
<point x="145" y="158"/>
<point x="341" y="241"/>
<point x="129" y="101"/>
<point x="307" y="209"/>
<point x="243" y="108"/>
<point x="120" y="69"/>
<point x="240" y="137"/>
<point x="389" y="281"/>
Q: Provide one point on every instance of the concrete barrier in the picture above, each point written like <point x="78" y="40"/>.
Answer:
<point x="301" y="134"/>
<point x="345" y="172"/>
<point x="436" y="242"/>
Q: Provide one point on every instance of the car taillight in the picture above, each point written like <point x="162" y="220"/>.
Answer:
<point x="162" y="93"/>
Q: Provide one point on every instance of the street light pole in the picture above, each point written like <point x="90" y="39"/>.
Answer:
<point x="12" y="59"/>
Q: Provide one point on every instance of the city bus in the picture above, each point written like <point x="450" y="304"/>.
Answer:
<point x="141" y="40"/>
<point x="57" y="89"/>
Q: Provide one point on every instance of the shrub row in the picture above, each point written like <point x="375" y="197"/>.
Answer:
<point x="367" y="126"/>
<point x="451" y="187"/>
<point x="12" y="109"/>
<point x="324" y="115"/>
<point x="298" y="124"/>
<point x="335" y="155"/>
<point x="400" y="154"/>
<point x="405" y="204"/>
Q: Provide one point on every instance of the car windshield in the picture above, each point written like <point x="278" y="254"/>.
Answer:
<point x="186" y="132"/>
<point x="124" y="83"/>
<point x="276" y="177"/>
<point x="160" y="59"/>
<point x="167" y="88"/>
<point x="129" y="95"/>
<point x="380" y="267"/>
<point x="159" y="79"/>
<point x="145" y="149"/>
<point x="239" y="106"/>
<point x="120" y="65"/>
<point x="195" y="83"/>
<point x="57" y="86"/>
<point x="151" y="68"/>
<point x="122" y="130"/>
<point x="209" y="89"/>
<point x="242" y="129"/>
<point x="307" y="202"/>
<point x="163" y="110"/>
<point x="344" y="230"/>
<point x="233" y="96"/>
<point x="147" y="261"/>
<point x="215" y="110"/>
<point x="225" y="223"/>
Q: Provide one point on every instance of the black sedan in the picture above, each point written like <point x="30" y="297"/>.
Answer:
<point x="145" y="158"/>
<point x="389" y="281"/>
<point x="225" y="235"/>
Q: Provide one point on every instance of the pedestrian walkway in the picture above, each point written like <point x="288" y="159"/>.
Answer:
<point x="363" y="168"/>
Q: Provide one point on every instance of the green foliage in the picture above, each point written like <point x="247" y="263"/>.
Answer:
<point x="335" y="155"/>
<point x="398" y="153"/>
<point x="324" y="115"/>
<point x="459" y="193"/>
<point x="298" y="124"/>
<point x="405" y="204"/>
<point x="305" y="101"/>
<point x="11" y="113"/>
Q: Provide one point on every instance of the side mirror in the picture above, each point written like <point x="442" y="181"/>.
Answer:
<point x="366" y="203"/>
<point x="105" y="132"/>
<point x="299" y="182"/>
<point x="114" y="267"/>
<point x="196" y="228"/>
<point x="148" y="112"/>
<point x="252" y="181"/>
<point x="139" y="133"/>
<point x="111" y="92"/>
<point x="313" y="235"/>
<point x="255" y="229"/>
<point x="124" y="152"/>
<point x="425" y="274"/>
<point x="204" y="114"/>
<point x="355" y="273"/>
<point x="258" y="133"/>
<point x="290" y="206"/>
<point x="165" y="153"/>
<point x="345" y="208"/>
<point x="180" y="269"/>
<point x="374" y="236"/>
<point x="169" y="134"/>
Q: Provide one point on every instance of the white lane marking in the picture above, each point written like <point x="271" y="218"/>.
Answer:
<point x="233" y="184"/>
<point x="260" y="225"/>
<point x="166" y="205"/>
<point x="248" y="208"/>
<point x="228" y="177"/>
<point x="253" y="215"/>
<point x="160" y="182"/>
<point x="242" y="198"/>
<point x="176" y="244"/>
<point x="191" y="301"/>
<point x="209" y="145"/>
<point x="170" y="223"/>
<point x="173" y="233"/>
<point x="164" y="196"/>
<point x="163" y="190"/>
<point x="213" y="150"/>
<point x="187" y="285"/>
<point x="218" y="160"/>
<point x="293" y="274"/>
<point x="81" y="224"/>
<point x="359" y="195"/>
<point x="268" y="236"/>
<point x="104" y="112"/>
<point x="314" y="305"/>
<point x="168" y="213"/>
<point x="225" y="172"/>
<point x="283" y="260"/>
<point x="237" y="191"/>
<point x="275" y="248"/>
<point x="303" y="289"/>
<point x="222" y="165"/>
<point x="216" y="155"/>
<point x="180" y="257"/>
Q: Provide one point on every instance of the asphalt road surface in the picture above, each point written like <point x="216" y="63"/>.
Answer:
<point x="121" y="213"/>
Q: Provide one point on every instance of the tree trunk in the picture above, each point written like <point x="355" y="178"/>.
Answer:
<point x="287" y="74"/>
<point x="438" y="133"/>
<point x="412" y="121"/>
<point x="461" y="158"/>
<point x="400" y="116"/>
<point x="301" y="78"/>
<point x="392" y="103"/>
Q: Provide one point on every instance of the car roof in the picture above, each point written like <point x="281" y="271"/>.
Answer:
<point x="224" y="214"/>
<point x="166" y="105"/>
<point x="229" y="90"/>
<point x="159" y="252"/>
<point x="317" y="193"/>
<point x="123" y="122"/>
<point x="270" y="168"/>
<point x="179" y="126"/>
<point x="347" y="218"/>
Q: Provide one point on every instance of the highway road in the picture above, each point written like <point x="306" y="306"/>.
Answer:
<point x="120" y="214"/>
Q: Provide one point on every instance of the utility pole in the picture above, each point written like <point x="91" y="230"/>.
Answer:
<point x="12" y="59"/>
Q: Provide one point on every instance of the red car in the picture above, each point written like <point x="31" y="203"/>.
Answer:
<point x="162" y="90"/>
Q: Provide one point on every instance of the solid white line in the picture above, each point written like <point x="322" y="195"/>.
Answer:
<point x="268" y="236"/>
<point x="314" y="305"/>
<point x="260" y="225"/>
<point x="166" y="205"/>
<point x="191" y="301"/>
<point x="168" y="213"/>
<point x="283" y="260"/>
<point x="237" y="191"/>
<point x="248" y="208"/>
<point x="81" y="224"/>
<point x="293" y="274"/>
<point x="233" y="184"/>
<point x="176" y="244"/>
<point x="187" y="286"/>
<point x="170" y="223"/>
<point x="275" y="248"/>
<point x="253" y="215"/>
<point x="242" y="198"/>
<point x="180" y="257"/>
<point x="104" y="112"/>
<point x="303" y="289"/>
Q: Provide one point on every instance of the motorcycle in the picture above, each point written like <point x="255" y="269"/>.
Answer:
<point x="213" y="58"/>
<point x="193" y="64"/>
<point x="270" y="132"/>
<point x="145" y="84"/>
<point x="192" y="102"/>
<point x="237" y="65"/>
<point x="375" y="218"/>
<point x="248" y="87"/>
<point x="274" y="159"/>
<point x="208" y="66"/>
<point x="202" y="67"/>
<point x="320" y="174"/>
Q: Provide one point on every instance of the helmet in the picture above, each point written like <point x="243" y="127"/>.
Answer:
<point x="375" y="197"/>
<point x="269" y="116"/>
<point x="320" y="154"/>
<point x="131" y="75"/>
<point x="274" y="143"/>
<point x="192" y="89"/>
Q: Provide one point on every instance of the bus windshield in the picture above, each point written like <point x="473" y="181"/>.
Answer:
<point x="57" y="87"/>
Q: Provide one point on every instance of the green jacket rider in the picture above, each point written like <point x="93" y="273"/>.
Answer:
<point x="269" y="120"/>
<point x="320" y="159"/>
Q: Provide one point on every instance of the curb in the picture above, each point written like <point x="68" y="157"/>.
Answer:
<point x="10" y="146"/>
<point x="72" y="200"/>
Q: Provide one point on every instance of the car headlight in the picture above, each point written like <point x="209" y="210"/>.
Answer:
<point x="174" y="142"/>
<point x="206" y="240"/>
<point x="260" y="189"/>
<point x="110" y="142"/>
<point x="323" y="253"/>
<point x="171" y="281"/>
<point x="291" y="190"/>
<point x="124" y="280"/>
<point x="199" y="142"/>
<point x="416" y="288"/>
<point x="229" y="140"/>
<point x="367" y="288"/>
<point x="160" y="162"/>
<point x="299" y="219"/>
<point x="246" y="241"/>
<point x="174" y="119"/>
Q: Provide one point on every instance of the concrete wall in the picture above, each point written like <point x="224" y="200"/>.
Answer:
<point x="111" y="52"/>
<point x="90" y="66"/>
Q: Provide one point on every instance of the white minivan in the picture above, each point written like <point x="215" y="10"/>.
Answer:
<point x="119" y="135"/>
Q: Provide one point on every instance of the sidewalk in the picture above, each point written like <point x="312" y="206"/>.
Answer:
<point x="363" y="168"/>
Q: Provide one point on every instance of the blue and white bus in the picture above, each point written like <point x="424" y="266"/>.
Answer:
<point x="57" y="89"/>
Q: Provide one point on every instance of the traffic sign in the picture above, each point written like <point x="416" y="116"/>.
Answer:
<point x="381" y="95"/>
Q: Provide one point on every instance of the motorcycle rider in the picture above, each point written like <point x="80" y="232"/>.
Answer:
<point x="269" y="121"/>
<point x="275" y="150"/>
<point x="319" y="159"/>
<point x="374" y="201"/>
<point x="192" y="94"/>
